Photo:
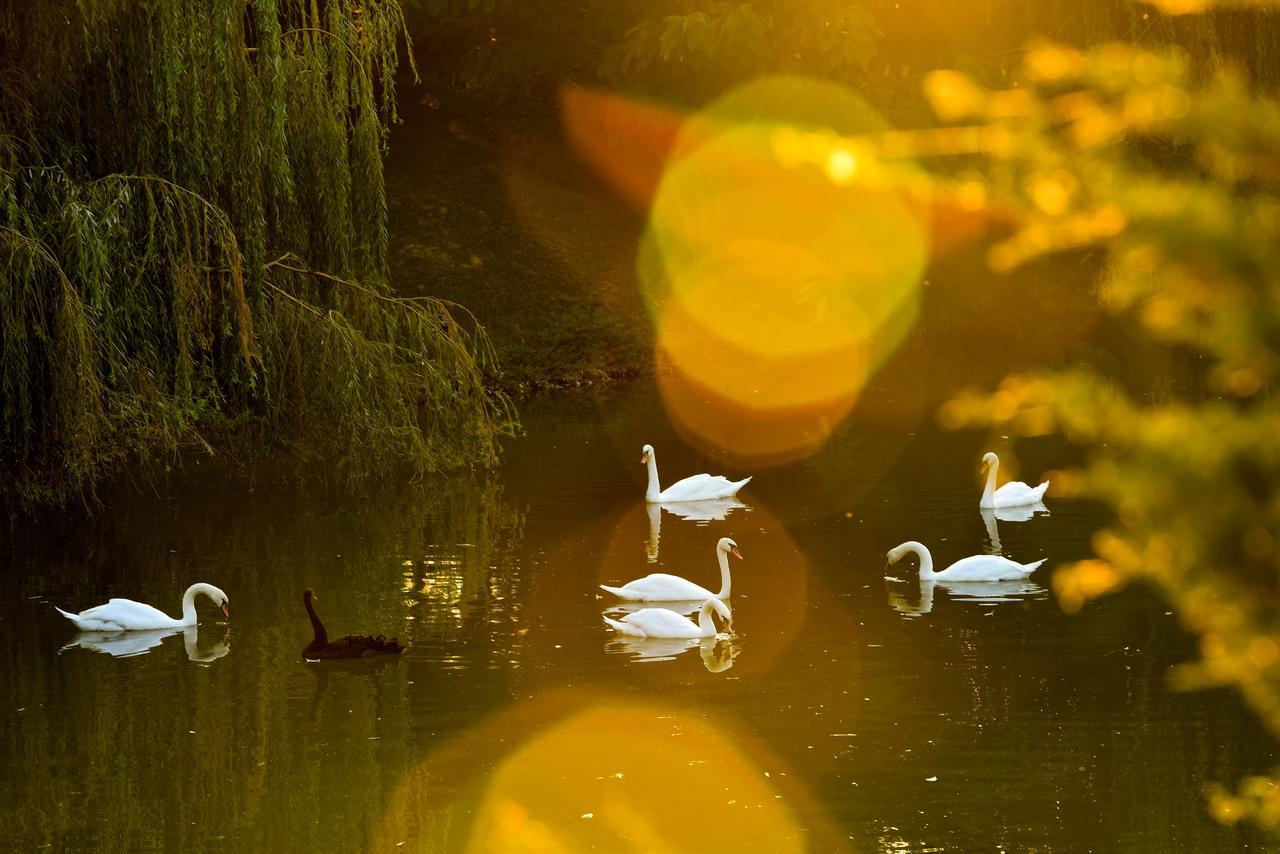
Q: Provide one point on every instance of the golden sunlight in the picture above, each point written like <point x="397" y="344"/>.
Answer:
<point x="780" y="262"/>
<point x="635" y="778"/>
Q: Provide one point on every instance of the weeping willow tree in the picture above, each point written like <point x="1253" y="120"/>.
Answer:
<point x="193" y="246"/>
<point x="1170" y="167"/>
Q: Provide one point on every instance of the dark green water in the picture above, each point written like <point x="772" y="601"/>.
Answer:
<point x="846" y="713"/>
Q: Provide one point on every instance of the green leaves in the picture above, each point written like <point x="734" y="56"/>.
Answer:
<point x="193" y="142"/>
<point x="687" y="38"/>
<point x="843" y="42"/>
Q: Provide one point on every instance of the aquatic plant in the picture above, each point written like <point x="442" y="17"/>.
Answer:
<point x="193" y="247"/>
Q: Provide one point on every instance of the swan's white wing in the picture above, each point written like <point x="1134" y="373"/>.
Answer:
<point x="701" y="487"/>
<point x="90" y="623"/>
<point x="1016" y="493"/>
<point x="661" y="623"/>
<point x="661" y="587"/>
<point x="123" y="615"/>
<point x="624" y="627"/>
<point x="985" y="568"/>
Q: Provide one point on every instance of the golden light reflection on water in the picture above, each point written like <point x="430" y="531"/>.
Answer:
<point x="636" y="777"/>
<point x="576" y="771"/>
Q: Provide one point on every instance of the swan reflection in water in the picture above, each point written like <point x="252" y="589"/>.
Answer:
<point x="1008" y="514"/>
<point x="367" y="668"/>
<point x="717" y="653"/>
<point x="710" y="510"/>
<point x="680" y="606"/>
<point x="976" y="592"/>
<point x="125" y="644"/>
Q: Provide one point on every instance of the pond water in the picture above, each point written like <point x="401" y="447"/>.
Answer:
<point x="847" y="711"/>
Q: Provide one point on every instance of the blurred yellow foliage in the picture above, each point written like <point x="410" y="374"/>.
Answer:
<point x="1088" y="579"/>
<point x="1121" y="149"/>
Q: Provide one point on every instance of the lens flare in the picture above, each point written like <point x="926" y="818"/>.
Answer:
<point x="577" y="771"/>
<point x="620" y="777"/>
<point x="781" y="264"/>
<point x="624" y="141"/>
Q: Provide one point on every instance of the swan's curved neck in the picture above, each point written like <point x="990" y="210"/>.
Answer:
<point x="988" y="494"/>
<point x="321" y="636"/>
<point x="653" y="489"/>
<point x="926" y="560"/>
<point x="706" y="624"/>
<point x="725" y="581"/>
<point x="189" y="604"/>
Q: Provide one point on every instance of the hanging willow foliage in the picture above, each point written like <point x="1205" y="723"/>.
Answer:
<point x="193" y="245"/>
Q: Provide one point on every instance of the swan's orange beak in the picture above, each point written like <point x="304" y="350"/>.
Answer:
<point x="644" y="458"/>
<point x="226" y="610"/>
<point x="734" y="551"/>
<point x="728" y="626"/>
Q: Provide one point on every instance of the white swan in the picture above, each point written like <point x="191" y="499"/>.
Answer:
<point x="661" y="587"/>
<point x="126" y="615"/>
<point x="976" y="568"/>
<point x="1012" y="494"/>
<point x="661" y="623"/>
<point x="699" y="487"/>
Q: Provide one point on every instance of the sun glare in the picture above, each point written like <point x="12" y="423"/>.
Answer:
<point x="778" y="266"/>
<point x="631" y="776"/>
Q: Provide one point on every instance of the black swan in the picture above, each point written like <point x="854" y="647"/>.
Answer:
<point x="351" y="646"/>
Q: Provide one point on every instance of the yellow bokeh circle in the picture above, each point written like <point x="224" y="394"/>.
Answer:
<point x="779" y="276"/>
